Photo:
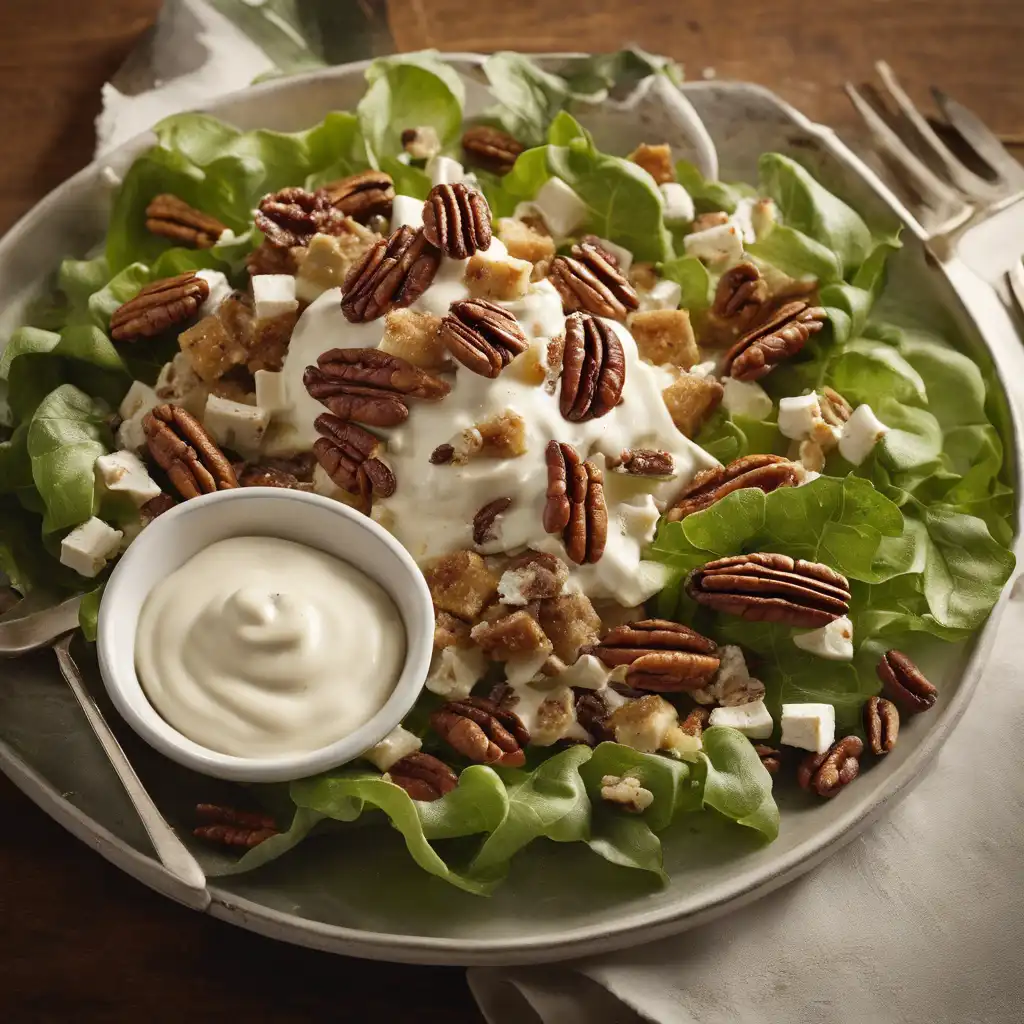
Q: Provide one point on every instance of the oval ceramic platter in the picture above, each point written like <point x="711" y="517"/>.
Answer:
<point x="363" y="896"/>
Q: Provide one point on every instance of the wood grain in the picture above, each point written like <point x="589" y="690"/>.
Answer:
<point x="80" y="941"/>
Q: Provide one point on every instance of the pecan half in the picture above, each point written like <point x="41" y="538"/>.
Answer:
<point x="740" y="296"/>
<point x="646" y="462"/>
<point x="230" y="827"/>
<point x="483" y="521"/>
<point x="783" y="335"/>
<point x="881" y="725"/>
<point x="482" y="335"/>
<point x="835" y="410"/>
<point x="593" y="369"/>
<point x="482" y="732"/>
<point x="185" y="452"/>
<point x="589" y="279"/>
<point x="491" y="148"/>
<point x="662" y="656"/>
<point x="171" y="217"/>
<point x="348" y="455"/>
<point x="423" y="776"/>
<point x="159" y="306"/>
<point x="363" y="195"/>
<point x="828" y="773"/>
<point x="370" y="386"/>
<point x="395" y="271"/>
<point x="765" y="472"/>
<point x="769" y="587"/>
<point x="771" y="757"/>
<point x="575" y="504"/>
<point x="292" y="216"/>
<point x="457" y="220"/>
<point x="905" y="684"/>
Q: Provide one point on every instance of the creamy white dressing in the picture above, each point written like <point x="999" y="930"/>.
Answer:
<point x="259" y="647"/>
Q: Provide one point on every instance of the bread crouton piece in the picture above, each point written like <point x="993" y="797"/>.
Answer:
<point x="525" y="241"/>
<point x="517" y="635"/>
<point x="501" y="437"/>
<point x="655" y="160"/>
<point x="450" y="631"/>
<point x="212" y="349"/>
<point x="665" y="336"/>
<point x="571" y="623"/>
<point x="414" y="337"/>
<point x="269" y="343"/>
<point x="691" y="400"/>
<point x="504" y="278"/>
<point x="328" y="259"/>
<point x="461" y="584"/>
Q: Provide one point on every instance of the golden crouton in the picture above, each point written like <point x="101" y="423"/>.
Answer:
<point x="414" y="337"/>
<point x="691" y="400"/>
<point x="211" y="349"/>
<point x="269" y="343"/>
<point x="502" y="436"/>
<point x="460" y="583"/>
<point x="665" y="336"/>
<point x="502" y="279"/>
<point x="525" y="241"/>
<point x="328" y="259"/>
<point x="655" y="160"/>
<point x="517" y="635"/>
<point x="571" y="622"/>
<point x="533" y="576"/>
<point x="643" y="276"/>
<point x="449" y="631"/>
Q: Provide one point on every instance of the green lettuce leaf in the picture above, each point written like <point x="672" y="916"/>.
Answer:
<point x="528" y="97"/>
<point x="693" y="279"/>
<point x="797" y="255"/>
<point x="710" y="196"/>
<point x="602" y="74"/>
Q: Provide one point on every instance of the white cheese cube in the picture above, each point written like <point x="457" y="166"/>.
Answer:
<point x="234" y="425"/>
<point x="678" y="204"/>
<point x="519" y="671"/>
<point x="443" y="170"/>
<point x="764" y="215"/>
<point x="753" y="719"/>
<point x="720" y="245"/>
<point x="559" y="207"/>
<point x="273" y="295"/>
<point x="622" y="255"/>
<point x="797" y="416"/>
<point x="665" y="294"/>
<point x="179" y="384"/>
<point x="140" y="398"/>
<point x="397" y="744"/>
<point x="861" y="432"/>
<point x="220" y="289"/>
<point x="455" y="671"/>
<point x="587" y="673"/>
<point x="271" y="391"/>
<point x="644" y="724"/>
<point x="809" y="726"/>
<point x="406" y="211"/>
<point x="834" y="641"/>
<point x="746" y="398"/>
<point x="87" y="547"/>
<point x="124" y="472"/>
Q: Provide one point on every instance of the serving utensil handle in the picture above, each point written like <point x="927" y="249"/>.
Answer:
<point x="170" y="850"/>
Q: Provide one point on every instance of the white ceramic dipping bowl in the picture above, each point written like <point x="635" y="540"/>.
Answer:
<point x="169" y="541"/>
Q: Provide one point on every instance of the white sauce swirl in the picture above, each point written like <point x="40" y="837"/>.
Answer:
<point x="259" y="647"/>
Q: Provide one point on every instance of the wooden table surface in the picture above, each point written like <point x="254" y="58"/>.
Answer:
<point x="79" y="941"/>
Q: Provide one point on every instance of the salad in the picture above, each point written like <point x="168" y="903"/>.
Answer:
<point x="685" y="480"/>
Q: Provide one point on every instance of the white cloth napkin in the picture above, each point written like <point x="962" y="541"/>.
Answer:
<point x="921" y="919"/>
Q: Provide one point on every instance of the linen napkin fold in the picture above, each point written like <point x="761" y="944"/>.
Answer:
<point x="920" y="919"/>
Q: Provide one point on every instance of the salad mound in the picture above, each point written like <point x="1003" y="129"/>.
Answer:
<point x="685" y="478"/>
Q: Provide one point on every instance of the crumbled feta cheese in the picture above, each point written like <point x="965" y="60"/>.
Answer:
<point x="722" y="244"/>
<point x="455" y="671"/>
<point x="764" y="215"/>
<point x="271" y="392"/>
<point x="235" y="425"/>
<point x="861" y="432"/>
<point x="834" y="641"/>
<point x="520" y="670"/>
<point x="678" y="204"/>
<point x="804" y="475"/>
<point x="623" y="256"/>
<point x="220" y="289"/>
<point x="811" y="456"/>
<point x="704" y="369"/>
<point x="586" y="673"/>
<point x="397" y="744"/>
<point x="129" y="531"/>
<point x="273" y="295"/>
<point x="644" y="723"/>
<point x="665" y="294"/>
<point x="798" y="415"/>
<point x="87" y="547"/>
<point x="555" y="719"/>
<point x="111" y="178"/>
<point x="443" y="170"/>
<point x="627" y="792"/>
<point x="558" y="206"/>
<point x="753" y="719"/>
<point x="125" y="473"/>
<point x="746" y="398"/>
<point x="406" y="211"/>
<point x="141" y="398"/>
<point x="809" y="726"/>
<point x="180" y="384"/>
<point x="733" y="684"/>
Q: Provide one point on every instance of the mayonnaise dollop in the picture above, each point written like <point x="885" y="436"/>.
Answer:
<point x="259" y="647"/>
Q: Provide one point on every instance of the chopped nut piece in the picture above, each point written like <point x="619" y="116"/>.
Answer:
<point x="442" y="454"/>
<point x="485" y="522"/>
<point x="512" y="636"/>
<point x="626" y="792"/>
<point x="414" y="337"/>
<point x="691" y="400"/>
<point x="503" y="436"/>
<point x="329" y="258"/>
<point x="525" y="242"/>
<point x="645" y="462"/>
<point x="655" y="160"/>
<point x="449" y="631"/>
<point x="461" y="583"/>
<point x="665" y="336"/>
<point x="534" y="576"/>
<point x="501" y="279"/>
<point x="570" y="622"/>
<point x="644" y="724"/>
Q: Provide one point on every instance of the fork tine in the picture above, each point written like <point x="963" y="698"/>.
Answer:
<point x="981" y="138"/>
<point x="944" y="202"/>
<point x="964" y="179"/>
